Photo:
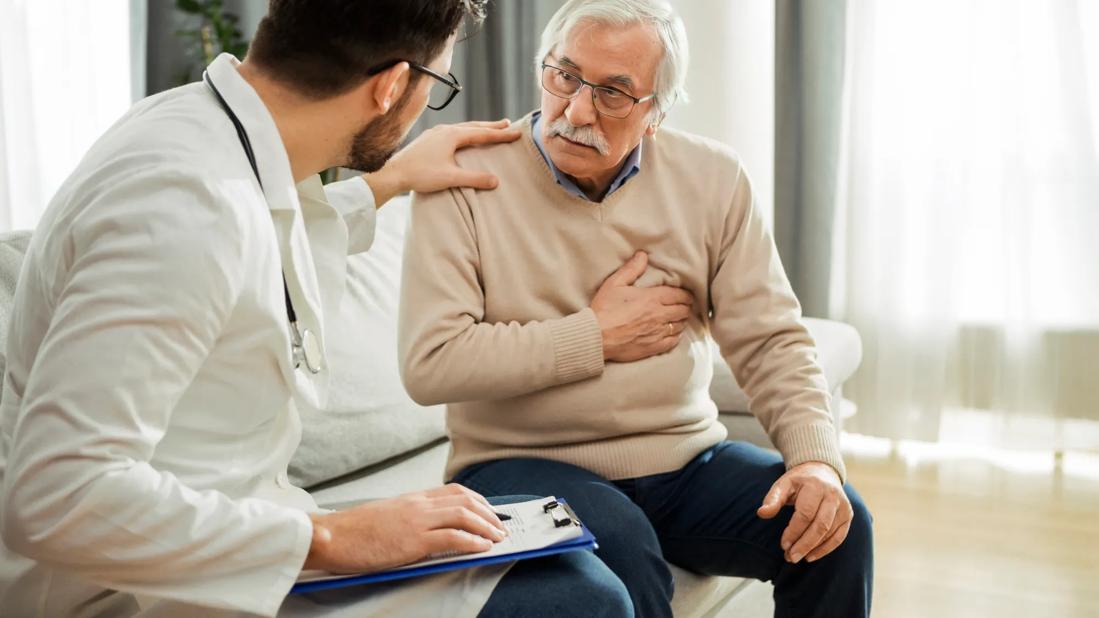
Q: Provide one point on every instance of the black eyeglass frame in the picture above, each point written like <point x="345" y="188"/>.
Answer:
<point x="451" y="83"/>
<point x="583" y="82"/>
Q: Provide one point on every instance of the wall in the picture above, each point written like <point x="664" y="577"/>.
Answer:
<point x="731" y="82"/>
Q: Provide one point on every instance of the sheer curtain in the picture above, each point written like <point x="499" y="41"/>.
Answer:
<point x="65" y="76"/>
<point x="968" y="240"/>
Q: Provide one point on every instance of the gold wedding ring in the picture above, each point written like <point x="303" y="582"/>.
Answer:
<point x="671" y="328"/>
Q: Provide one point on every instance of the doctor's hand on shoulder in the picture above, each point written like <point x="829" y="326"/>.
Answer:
<point x="396" y="531"/>
<point x="427" y="164"/>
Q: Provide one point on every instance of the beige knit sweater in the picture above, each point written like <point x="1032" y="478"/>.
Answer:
<point x="494" y="315"/>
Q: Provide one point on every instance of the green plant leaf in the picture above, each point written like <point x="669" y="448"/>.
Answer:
<point x="189" y="6"/>
<point x="216" y="32"/>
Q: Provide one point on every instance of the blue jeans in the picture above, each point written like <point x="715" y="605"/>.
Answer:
<point x="572" y="584"/>
<point x="702" y="518"/>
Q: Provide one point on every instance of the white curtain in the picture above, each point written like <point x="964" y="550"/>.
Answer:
<point x="65" y="76"/>
<point x="968" y="239"/>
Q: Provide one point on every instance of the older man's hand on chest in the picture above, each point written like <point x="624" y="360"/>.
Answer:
<point x="822" y="513"/>
<point x="639" y="322"/>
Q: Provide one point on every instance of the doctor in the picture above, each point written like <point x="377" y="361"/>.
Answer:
<point x="172" y="308"/>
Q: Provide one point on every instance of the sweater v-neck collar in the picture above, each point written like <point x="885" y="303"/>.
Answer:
<point x="547" y="180"/>
<point x="629" y="167"/>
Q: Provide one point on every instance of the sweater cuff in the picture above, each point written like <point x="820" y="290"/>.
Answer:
<point x="812" y="443"/>
<point x="577" y="346"/>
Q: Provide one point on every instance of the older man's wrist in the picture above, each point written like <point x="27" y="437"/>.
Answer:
<point x="815" y="442"/>
<point x="577" y="346"/>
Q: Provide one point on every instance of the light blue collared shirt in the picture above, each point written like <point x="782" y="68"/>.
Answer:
<point x="630" y="167"/>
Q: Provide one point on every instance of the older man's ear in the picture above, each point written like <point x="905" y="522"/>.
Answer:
<point x="655" y="125"/>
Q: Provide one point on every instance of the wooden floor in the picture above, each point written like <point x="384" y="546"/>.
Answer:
<point x="973" y="536"/>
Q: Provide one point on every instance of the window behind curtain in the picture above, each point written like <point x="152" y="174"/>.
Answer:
<point x="65" y="77"/>
<point x="971" y="219"/>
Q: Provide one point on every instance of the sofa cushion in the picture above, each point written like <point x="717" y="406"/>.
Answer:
<point x="369" y="416"/>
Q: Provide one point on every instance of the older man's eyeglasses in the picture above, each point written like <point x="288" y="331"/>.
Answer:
<point x="437" y="98"/>
<point x="607" y="100"/>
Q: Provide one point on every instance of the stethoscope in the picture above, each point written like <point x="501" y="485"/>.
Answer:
<point x="304" y="346"/>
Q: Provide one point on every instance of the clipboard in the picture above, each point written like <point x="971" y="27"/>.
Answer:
<point x="557" y="510"/>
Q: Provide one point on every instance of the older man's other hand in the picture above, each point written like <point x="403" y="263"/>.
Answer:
<point x="639" y="322"/>
<point x="822" y="512"/>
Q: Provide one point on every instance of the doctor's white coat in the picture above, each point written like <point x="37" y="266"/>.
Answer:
<point x="148" y="410"/>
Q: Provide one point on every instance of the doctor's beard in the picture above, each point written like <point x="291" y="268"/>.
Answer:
<point x="375" y="143"/>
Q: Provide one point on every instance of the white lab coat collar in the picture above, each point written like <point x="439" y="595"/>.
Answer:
<point x="271" y="157"/>
<point x="298" y="247"/>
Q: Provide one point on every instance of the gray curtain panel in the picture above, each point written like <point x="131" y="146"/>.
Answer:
<point x="139" y="27"/>
<point x="809" y="62"/>
<point x="499" y="60"/>
<point x="495" y="64"/>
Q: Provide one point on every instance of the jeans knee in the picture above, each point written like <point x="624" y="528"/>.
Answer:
<point x="631" y="541"/>
<point x="861" y="534"/>
<point x="601" y="593"/>
<point x="629" y="546"/>
<point x="571" y="584"/>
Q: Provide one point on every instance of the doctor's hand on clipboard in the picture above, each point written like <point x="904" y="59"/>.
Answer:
<point x="427" y="164"/>
<point x="387" y="533"/>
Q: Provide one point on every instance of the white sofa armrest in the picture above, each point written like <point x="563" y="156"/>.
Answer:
<point x="839" y="351"/>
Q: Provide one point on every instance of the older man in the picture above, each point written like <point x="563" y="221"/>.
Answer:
<point x="564" y="380"/>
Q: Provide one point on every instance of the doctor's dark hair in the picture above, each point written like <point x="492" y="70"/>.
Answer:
<point x="323" y="48"/>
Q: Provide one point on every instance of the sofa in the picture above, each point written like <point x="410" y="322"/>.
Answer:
<point x="371" y="440"/>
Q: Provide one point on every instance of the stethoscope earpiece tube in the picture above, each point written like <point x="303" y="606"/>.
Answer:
<point x="304" y="347"/>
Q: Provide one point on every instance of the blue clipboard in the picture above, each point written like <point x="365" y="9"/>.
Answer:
<point x="586" y="540"/>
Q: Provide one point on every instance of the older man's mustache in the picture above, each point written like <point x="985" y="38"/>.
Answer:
<point x="581" y="135"/>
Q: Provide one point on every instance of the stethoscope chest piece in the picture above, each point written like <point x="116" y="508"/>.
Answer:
<point x="306" y="349"/>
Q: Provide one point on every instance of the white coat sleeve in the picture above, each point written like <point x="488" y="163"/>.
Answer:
<point x="153" y="268"/>
<point x="354" y="200"/>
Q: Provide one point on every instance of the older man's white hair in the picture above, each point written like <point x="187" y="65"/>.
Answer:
<point x="671" y="73"/>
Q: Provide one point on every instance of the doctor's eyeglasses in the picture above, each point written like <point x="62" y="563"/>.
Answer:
<point x="438" y="98"/>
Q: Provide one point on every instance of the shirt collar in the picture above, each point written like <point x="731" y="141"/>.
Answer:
<point x="271" y="157"/>
<point x="630" y="166"/>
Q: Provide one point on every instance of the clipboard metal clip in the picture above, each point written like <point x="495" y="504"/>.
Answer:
<point x="562" y="514"/>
